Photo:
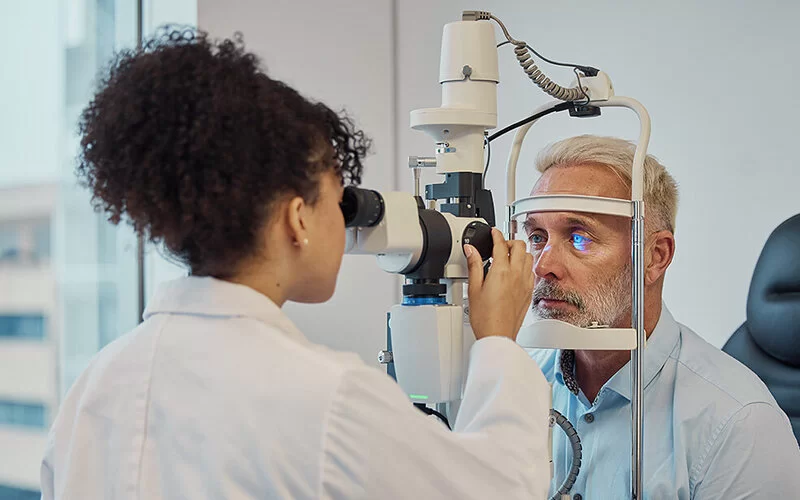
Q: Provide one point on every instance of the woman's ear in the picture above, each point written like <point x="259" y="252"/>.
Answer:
<point x="661" y="250"/>
<point x="296" y="220"/>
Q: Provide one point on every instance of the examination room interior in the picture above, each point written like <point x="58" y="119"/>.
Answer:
<point x="717" y="78"/>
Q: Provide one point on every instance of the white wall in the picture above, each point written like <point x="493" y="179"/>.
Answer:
<point x="698" y="67"/>
<point x="339" y="53"/>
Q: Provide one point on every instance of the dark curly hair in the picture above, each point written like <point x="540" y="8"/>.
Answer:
<point x="191" y="142"/>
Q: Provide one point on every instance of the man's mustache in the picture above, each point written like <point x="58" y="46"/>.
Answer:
<point x="548" y="290"/>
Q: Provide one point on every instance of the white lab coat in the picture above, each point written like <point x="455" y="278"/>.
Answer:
<point x="218" y="395"/>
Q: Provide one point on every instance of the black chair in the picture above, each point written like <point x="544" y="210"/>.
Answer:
<point x="769" y="340"/>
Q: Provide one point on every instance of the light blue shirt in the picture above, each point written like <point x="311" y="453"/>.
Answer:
<point x="712" y="429"/>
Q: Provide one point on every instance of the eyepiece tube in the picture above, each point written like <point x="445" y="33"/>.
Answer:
<point x="361" y="207"/>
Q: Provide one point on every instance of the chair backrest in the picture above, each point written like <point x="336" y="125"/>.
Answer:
<point x="769" y="340"/>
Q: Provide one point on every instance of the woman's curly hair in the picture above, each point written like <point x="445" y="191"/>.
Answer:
<point x="191" y="142"/>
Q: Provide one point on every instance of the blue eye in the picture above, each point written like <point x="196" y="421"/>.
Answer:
<point x="580" y="242"/>
<point x="536" y="239"/>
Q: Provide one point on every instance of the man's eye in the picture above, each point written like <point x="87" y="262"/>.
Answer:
<point x="580" y="242"/>
<point x="536" y="239"/>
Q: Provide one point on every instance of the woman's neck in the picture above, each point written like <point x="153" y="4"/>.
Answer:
<point x="266" y="280"/>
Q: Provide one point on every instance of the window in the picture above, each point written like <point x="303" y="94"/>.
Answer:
<point x="9" y="493"/>
<point x="8" y="242"/>
<point x="22" y="415"/>
<point x="68" y="278"/>
<point x="25" y="240"/>
<point x="22" y="326"/>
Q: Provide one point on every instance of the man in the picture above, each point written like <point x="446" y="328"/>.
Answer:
<point x="712" y="429"/>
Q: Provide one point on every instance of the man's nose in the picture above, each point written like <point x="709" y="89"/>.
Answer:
<point x="549" y="264"/>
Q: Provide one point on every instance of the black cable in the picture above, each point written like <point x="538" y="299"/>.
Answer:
<point x="587" y="70"/>
<point x="430" y="411"/>
<point x="488" y="158"/>
<point x="558" y="107"/>
<point x="580" y="86"/>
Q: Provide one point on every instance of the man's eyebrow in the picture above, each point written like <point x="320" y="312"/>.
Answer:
<point x="582" y="221"/>
<point x="575" y="220"/>
<point x="529" y="223"/>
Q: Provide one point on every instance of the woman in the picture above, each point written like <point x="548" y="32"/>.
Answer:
<point x="216" y="394"/>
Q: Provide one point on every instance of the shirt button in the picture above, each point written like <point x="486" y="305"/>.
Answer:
<point x="588" y="418"/>
<point x="577" y="496"/>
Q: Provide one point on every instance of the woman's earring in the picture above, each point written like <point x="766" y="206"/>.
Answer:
<point x="305" y="242"/>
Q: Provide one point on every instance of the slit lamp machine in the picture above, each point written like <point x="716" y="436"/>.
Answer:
<point x="421" y="235"/>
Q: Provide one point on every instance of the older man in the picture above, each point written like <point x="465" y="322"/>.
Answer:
<point x="712" y="429"/>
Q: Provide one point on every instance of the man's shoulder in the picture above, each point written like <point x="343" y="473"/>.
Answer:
<point x="711" y="374"/>
<point x="737" y="412"/>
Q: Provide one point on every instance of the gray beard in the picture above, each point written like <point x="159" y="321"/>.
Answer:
<point x="602" y="303"/>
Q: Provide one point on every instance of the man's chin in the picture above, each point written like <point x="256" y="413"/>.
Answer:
<point x="540" y="312"/>
<point x="559" y="314"/>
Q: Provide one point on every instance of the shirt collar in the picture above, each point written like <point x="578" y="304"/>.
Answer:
<point x="558" y="373"/>
<point x="658" y="349"/>
<point x="565" y="370"/>
<point x="210" y="297"/>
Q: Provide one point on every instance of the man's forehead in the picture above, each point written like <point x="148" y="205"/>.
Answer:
<point x="589" y="179"/>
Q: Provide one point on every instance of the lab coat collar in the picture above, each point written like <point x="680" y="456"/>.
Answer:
<point x="213" y="298"/>
<point x="658" y="349"/>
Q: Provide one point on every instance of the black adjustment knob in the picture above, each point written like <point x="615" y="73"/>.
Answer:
<point x="479" y="235"/>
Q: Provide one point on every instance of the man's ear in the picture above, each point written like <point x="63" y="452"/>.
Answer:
<point x="660" y="251"/>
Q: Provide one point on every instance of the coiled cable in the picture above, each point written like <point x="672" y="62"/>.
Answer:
<point x="537" y="76"/>
<point x="540" y="79"/>
<point x="556" y="418"/>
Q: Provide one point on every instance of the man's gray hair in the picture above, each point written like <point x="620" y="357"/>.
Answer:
<point x="660" y="189"/>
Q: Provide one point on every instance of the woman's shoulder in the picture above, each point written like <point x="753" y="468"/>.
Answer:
<point x="281" y="352"/>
